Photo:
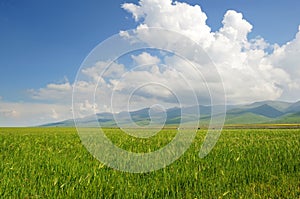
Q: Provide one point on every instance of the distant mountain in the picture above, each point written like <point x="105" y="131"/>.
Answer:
<point x="255" y="113"/>
<point x="246" y="118"/>
<point x="292" y="118"/>
<point x="294" y="108"/>
<point x="64" y="123"/>
<point x="279" y="105"/>
<point x="265" y="110"/>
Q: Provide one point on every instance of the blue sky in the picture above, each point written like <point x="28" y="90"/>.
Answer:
<point x="44" y="42"/>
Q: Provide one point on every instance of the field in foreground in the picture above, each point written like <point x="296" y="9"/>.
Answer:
<point x="52" y="163"/>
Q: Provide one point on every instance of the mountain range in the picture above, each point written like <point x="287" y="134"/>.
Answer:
<point x="263" y="112"/>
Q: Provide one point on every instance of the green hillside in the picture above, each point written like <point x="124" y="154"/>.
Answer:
<point x="246" y="118"/>
<point x="264" y="112"/>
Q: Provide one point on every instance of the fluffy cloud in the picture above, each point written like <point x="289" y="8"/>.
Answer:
<point x="58" y="93"/>
<point x="176" y="16"/>
<point x="248" y="69"/>
<point x="235" y="28"/>
<point x="29" y="114"/>
<point x="103" y="69"/>
<point x="251" y="70"/>
<point x="287" y="58"/>
<point x="147" y="80"/>
<point x="145" y="58"/>
<point x="49" y="104"/>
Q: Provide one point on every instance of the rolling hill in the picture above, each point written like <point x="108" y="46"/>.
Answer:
<point x="256" y="113"/>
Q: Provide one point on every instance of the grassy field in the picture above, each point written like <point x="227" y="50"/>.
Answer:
<point x="245" y="163"/>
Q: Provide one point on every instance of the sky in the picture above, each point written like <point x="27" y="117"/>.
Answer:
<point x="43" y="44"/>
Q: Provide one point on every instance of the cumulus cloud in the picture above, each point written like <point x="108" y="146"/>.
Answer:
<point x="249" y="70"/>
<point x="177" y="16"/>
<point x="103" y="69"/>
<point x="235" y="27"/>
<point x="30" y="114"/>
<point x="145" y="58"/>
<point x="286" y="57"/>
<point x="148" y="79"/>
<point x="59" y="93"/>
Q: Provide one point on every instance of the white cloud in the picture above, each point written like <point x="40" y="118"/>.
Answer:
<point x="145" y="58"/>
<point x="103" y="69"/>
<point x="54" y="114"/>
<point x="248" y="71"/>
<point x="161" y="79"/>
<point x="9" y="113"/>
<point x="287" y="58"/>
<point x="29" y="114"/>
<point x="58" y="93"/>
<point x="177" y="16"/>
<point x="235" y="28"/>
<point x="60" y="87"/>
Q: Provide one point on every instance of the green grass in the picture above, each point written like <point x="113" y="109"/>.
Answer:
<point x="52" y="163"/>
